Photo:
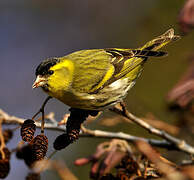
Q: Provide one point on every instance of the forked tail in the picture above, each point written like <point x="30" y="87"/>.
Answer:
<point x="160" y="41"/>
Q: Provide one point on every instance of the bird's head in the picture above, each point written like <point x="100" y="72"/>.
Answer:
<point x="54" y="74"/>
<point x="43" y="73"/>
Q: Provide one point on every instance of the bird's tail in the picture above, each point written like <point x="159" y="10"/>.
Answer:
<point x="160" y="41"/>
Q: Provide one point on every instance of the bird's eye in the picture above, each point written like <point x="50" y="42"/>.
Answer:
<point x="50" y="72"/>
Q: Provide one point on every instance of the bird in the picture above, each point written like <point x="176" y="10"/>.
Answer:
<point x="96" y="79"/>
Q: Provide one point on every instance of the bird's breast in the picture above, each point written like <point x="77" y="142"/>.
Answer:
<point x="104" y="98"/>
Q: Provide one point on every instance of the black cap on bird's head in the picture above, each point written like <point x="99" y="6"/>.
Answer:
<point x="43" y="71"/>
<point x="43" y="67"/>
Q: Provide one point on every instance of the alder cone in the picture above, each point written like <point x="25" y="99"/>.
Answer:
<point x="62" y="141"/>
<point x="74" y="134"/>
<point x="27" y="130"/>
<point x="128" y="164"/>
<point x="39" y="147"/>
<point x="25" y="153"/>
<point x="33" y="176"/>
<point x="76" y="118"/>
<point x="4" y="163"/>
<point x="34" y="151"/>
<point x="4" y="168"/>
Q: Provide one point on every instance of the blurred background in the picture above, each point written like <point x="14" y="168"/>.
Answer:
<point x="33" y="30"/>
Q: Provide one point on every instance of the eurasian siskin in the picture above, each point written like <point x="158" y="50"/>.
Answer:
<point x="97" y="78"/>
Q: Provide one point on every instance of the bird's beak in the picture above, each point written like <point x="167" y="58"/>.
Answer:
<point x="39" y="82"/>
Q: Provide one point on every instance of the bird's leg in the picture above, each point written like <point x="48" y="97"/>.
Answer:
<point x="123" y="106"/>
<point x="119" y="108"/>
<point x="41" y="110"/>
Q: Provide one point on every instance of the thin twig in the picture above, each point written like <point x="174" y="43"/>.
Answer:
<point x="41" y="110"/>
<point x="2" y="141"/>
<point x="179" y="144"/>
<point x="8" y="119"/>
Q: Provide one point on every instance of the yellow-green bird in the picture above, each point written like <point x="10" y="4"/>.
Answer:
<point x="97" y="78"/>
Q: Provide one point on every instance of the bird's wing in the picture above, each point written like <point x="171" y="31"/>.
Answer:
<point x="95" y="69"/>
<point x="98" y="68"/>
<point x="128" y="61"/>
<point x="92" y="69"/>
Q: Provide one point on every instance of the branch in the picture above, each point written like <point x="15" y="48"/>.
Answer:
<point x="52" y="124"/>
<point x="177" y="143"/>
<point x="120" y="135"/>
